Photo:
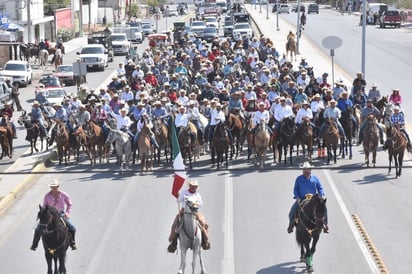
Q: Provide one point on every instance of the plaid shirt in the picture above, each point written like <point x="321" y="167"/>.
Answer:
<point x="397" y="119"/>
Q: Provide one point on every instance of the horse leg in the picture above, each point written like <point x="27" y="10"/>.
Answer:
<point x="400" y="163"/>
<point x="390" y="163"/>
<point x="56" y="271"/>
<point x="374" y="158"/>
<point x="396" y="166"/>
<point x="367" y="157"/>
<point x="183" y="251"/>
<point x="335" y="148"/>
<point x="62" y="264"/>
<point x="342" y="147"/>
<point x="350" y="149"/>
<point x="290" y="153"/>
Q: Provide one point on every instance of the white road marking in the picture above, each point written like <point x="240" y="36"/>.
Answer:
<point x="352" y="226"/>
<point x="228" y="262"/>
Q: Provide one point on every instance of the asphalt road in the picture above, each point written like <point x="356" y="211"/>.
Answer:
<point x="123" y="220"/>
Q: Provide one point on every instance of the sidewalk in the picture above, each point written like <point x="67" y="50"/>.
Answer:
<point x="321" y="62"/>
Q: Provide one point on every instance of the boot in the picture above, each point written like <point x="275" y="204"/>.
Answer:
<point x="409" y="147"/>
<point x="205" y="240"/>
<point x="36" y="240"/>
<point x="360" y="140"/>
<point x="72" y="241"/>
<point x="290" y="227"/>
<point x="173" y="244"/>
<point x="325" y="228"/>
<point x="381" y="140"/>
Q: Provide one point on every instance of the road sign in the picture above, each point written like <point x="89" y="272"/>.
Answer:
<point x="157" y="16"/>
<point x="331" y="42"/>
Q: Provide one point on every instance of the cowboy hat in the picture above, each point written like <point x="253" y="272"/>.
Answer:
<point x="396" y="108"/>
<point x="193" y="183"/>
<point x="54" y="183"/>
<point x="306" y="165"/>
<point x="374" y="85"/>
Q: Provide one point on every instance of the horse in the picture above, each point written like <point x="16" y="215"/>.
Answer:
<point x="310" y="222"/>
<point x="380" y="105"/>
<point x="304" y="136"/>
<point x="123" y="147"/>
<point x="236" y="128"/>
<point x="190" y="236"/>
<point x="330" y="139"/>
<point x="370" y="139"/>
<point x="287" y="138"/>
<point x="387" y="115"/>
<point x="81" y="141"/>
<point x="220" y="145"/>
<point x="6" y="125"/>
<point x="62" y="141"/>
<point x="161" y="133"/>
<point x="186" y="145"/>
<point x="58" y="60"/>
<point x="96" y="145"/>
<point x="350" y="132"/>
<point x="291" y="48"/>
<point x="33" y="132"/>
<point x="249" y="136"/>
<point x="145" y="148"/>
<point x="262" y="139"/>
<point x="43" y="57"/>
<point x="396" y="144"/>
<point x="55" y="237"/>
<point x="4" y="143"/>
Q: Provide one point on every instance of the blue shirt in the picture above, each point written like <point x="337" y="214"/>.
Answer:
<point x="304" y="185"/>
<point x="343" y="103"/>
<point x="397" y="119"/>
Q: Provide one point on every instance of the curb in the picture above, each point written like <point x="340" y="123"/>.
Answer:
<point x="40" y="165"/>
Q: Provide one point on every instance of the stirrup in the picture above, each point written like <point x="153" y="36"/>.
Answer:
<point x="205" y="245"/>
<point x="172" y="246"/>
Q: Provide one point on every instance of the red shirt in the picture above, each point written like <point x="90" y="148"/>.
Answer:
<point x="172" y="96"/>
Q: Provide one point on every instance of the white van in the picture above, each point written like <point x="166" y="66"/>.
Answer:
<point x="222" y="5"/>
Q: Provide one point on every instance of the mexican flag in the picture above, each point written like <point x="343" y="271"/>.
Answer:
<point x="178" y="166"/>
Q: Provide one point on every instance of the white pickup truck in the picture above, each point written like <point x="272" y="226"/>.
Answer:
<point x="120" y="43"/>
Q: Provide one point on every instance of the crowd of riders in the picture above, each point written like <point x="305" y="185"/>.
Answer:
<point x="187" y="79"/>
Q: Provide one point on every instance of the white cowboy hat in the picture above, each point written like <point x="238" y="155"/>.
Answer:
<point x="374" y="85"/>
<point x="396" y="108"/>
<point x="193" y="183"/>
<point x="306" y="165"/>
<point x="54" y="183"/>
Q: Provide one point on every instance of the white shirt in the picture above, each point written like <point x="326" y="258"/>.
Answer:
<point x="316" y="106"/>
<point x="332" y="113"/>
<point x="181" y="120"/>
<point x="120" y="71"/>
<point x="274" y="107"/>
<point x="195" y="197"/>
<point x="284" y="112"/>
<point x="123" y="122"/>
<point x="264" y="115"/>
<point x="127" y="96"/>
<point x="250" y="95"/>
<point x="194" y="113"/>
<point x="216" y="117"/>
<point x="302" y="113"/>
<point x="140" y="124"/>
<point x="138" y="74"/>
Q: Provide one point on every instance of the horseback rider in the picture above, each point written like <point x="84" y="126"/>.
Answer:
<point x="124" y="122"/>
<point x="332" y="112"/>
<point x="59" y="200"/>
<point x="194" y="116"/>
<point x="193" y="194"/>
<point x="307" y="183"/>
<point x="262" y="115"/>
<point x="60" y="115"/>
<point x="370" y="109"/>
<point x="36" y="116"/>
<point x="144" y="120"/>
<point x="397" y="119"/>
<point x="374" y="94"/>
<point x="7" y="115"/>
<point x="304" y="112"/>
<point x="82" y="117"/>
<point x="281" y="112"/>
<point x="216" y="116"/>
<point x="343" y="103"/>
<point x="160" y="112"/>
<point x="182" y="120"/>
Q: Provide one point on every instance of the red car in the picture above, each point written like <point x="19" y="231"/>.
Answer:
<point x="65" y="74"/>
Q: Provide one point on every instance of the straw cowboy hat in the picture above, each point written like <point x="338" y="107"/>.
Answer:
<point x="306" y="165"/>
<point x="54" y="183"/>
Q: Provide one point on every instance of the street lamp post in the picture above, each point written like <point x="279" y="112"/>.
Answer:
<point x="277" y="15"/>
<point x="363" y="37"/>
<point x="298" y="28"/>
<point x="260" y="6"/>
<point x="267" y="9"/>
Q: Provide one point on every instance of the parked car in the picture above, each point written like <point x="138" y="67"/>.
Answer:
<point x="209" y="34"/>
<point x="212" y="21"/>
<point x="197" y="27"/>
<point x="54" y="95"/>
<point x="283" y="8"/>
<point x="65" y="74"/>
<point x="228" y="27"/>
<point x="390" y="18"/>
<point x="19" y="71"/>
<point x="313" y="8"/>
<point x="173" y="12"/>
<point x="241" y="29"/>
<point x="50" y="81"/>
<point x="5" y="93"/>
<point x="147" y="28"/>
<point x="95" y="56"/>
<point x="295" y="8"/>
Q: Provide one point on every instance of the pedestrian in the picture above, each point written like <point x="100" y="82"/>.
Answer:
<point x="307" y="183"/>
<point x="62" y="202"/>
<point x="15" y="96"/>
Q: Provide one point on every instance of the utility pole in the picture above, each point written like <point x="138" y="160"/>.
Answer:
<point x="28" y="21"/>
<point x="80" y="18"/>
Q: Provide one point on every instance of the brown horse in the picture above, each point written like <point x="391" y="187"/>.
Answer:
<point x="396" y="144"/>
<point x="350" y="132"/>
<point x="161" y="133"/>
<point x="262" y="139"/>
<point x="291" y="48"/>
<point x="6" y="124"/>
<point x="4" y="143"/>
<point x="330" y="139"/>
<point x="81" y="142"/>
<point x="145" y="149"/>
<point x="370" y="139"/>
<point x="62" y="141"/>
<point x="236" y="128"/>
<point x="305" y="138"/>
<point x="220" y="145"/>
<point x="96" y="145"/>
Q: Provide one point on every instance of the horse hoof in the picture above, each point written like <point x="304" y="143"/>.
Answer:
<point x="302" y="259"/>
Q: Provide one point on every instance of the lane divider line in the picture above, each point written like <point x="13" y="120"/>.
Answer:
<point x="228" y="261"/>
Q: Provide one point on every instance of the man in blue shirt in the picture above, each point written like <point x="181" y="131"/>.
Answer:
<point x="305" y="184"/>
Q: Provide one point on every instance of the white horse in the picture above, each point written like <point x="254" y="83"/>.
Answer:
<point x="190" y="236"/>
<point x="123" y="147"/>
<point x="43" y="57"/>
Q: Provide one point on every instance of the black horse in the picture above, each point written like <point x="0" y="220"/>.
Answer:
<point x="311" y="220"/>
<point x="33" y="132"/>
<point x="287" y="138"/>
<point x="55" y="237"/>
<point x="220" y="145"/>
